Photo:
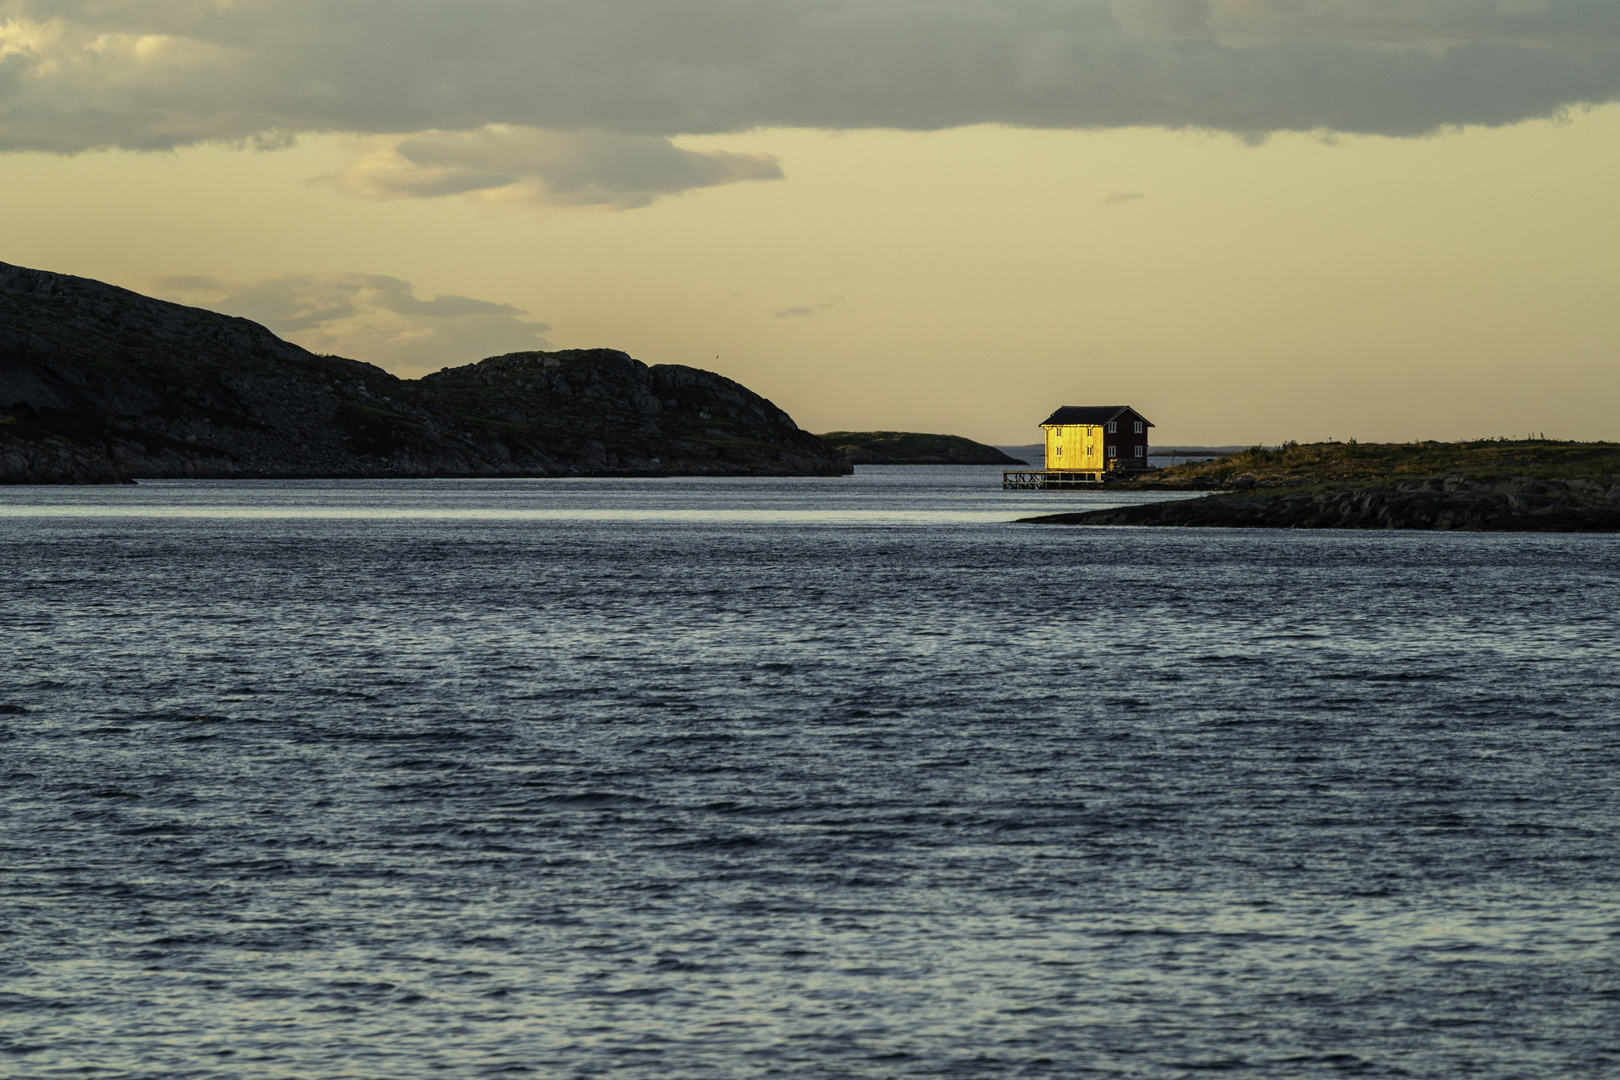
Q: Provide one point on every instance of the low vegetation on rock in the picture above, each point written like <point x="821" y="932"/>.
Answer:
<point x="1537" y="485"/>
<point x="1294" y="465"/>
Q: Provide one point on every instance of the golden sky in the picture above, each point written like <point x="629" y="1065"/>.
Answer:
<point x="889" y="224"/>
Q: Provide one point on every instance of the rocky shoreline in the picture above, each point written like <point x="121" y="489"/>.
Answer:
<point x="102" y="385"/>
<point x="1452" y="503"/>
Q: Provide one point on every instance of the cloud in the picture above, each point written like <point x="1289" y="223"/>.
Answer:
<point x="527" y="165"/>
<point x="154" y="74"/>
<point x="1171" y="19"/>
<point x="364" y="316"/>
<point x="1120" y="198"/>
<point x="804" y="311"/>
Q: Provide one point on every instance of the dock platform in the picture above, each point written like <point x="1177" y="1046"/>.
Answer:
<point x="1048" y="479"/>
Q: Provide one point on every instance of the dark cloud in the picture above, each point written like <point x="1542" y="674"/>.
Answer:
<point x="364" y="316"/>
<point x="78" y="74"/>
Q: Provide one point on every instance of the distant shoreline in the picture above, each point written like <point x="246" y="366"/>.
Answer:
<point x="914" y="448"/>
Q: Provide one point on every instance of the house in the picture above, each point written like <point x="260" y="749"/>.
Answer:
<point x="1096" y="438"/>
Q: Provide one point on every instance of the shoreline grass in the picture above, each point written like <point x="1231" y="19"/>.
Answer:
<point x="1301" y="465"/>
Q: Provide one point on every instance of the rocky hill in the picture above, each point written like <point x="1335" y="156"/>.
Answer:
<point x="99" y="384"/>
<point x="914" y="448"/>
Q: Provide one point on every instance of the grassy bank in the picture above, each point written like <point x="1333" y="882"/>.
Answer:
<point x="1296" y="465"/>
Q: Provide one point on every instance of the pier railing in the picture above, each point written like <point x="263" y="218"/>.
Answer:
<point x="1048" y="479"/>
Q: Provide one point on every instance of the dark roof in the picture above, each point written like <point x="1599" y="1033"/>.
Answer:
<point x="1092" y="415"/>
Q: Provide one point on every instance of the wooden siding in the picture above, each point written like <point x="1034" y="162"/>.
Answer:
<point x="1073" y="446"/>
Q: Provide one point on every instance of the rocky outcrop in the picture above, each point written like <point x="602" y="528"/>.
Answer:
<point x="1519" y="504"/>
<point x="914" y="448"/>
<point x="1155" y="480"/>
<point x="99" y="384"/>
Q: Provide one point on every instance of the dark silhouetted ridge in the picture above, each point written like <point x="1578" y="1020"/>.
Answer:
<point x="100" y="384"/>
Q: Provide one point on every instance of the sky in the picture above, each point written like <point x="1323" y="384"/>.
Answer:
<point x="1252" y="220"/>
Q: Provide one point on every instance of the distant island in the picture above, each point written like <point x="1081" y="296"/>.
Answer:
<point x="1531" y="485"/>
<point x="914" y="448"/>
<point x="101" y="385"/>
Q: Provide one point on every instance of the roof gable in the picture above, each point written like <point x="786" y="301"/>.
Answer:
<point x="1091" y="415"/>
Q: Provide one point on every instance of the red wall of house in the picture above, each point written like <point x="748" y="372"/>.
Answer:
<point x="1127" y="440"/>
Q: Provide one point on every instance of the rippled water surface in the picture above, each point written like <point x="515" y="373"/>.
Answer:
<point x="806" y="778"/>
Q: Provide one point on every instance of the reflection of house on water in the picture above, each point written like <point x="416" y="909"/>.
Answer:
<point x="1084" y="443"/>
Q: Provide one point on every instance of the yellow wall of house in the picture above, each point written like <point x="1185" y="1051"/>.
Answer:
<point x="1082" y="447"/>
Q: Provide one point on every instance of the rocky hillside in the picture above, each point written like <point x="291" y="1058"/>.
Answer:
<point x="99" y="384"/>
<point x="914" y="448"/>
<point x="1518" y="504"/>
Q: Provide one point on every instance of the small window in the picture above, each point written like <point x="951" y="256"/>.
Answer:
<point x="1112" y="427"/>
<point x="1060" y="451"/>
<point x="1139" y="431"/>
<point x="1139" y="451"/>
<point x="1113" y="451"/>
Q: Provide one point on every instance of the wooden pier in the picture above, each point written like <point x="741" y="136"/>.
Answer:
<point x="1049" y="479"/>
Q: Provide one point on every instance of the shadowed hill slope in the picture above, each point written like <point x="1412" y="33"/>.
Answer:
<point x="100" y="384"/>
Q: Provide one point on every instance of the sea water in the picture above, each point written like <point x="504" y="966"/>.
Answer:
<point x="804" y="778"/>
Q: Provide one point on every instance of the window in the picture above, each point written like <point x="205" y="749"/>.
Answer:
<point x="1060" y="451"/>
<point x="1140" y="450"/>
<point x="1112" y="427"/>
<point x="1113" y="451"/>
<point x="1139" y="431"/>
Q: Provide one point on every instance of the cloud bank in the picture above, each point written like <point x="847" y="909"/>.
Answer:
<point x="574" y="101"/>
<point x="364" y="316"/>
